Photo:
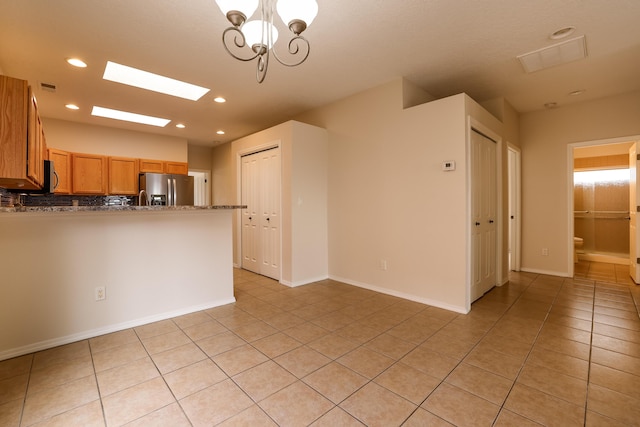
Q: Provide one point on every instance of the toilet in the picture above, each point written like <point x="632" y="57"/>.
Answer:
<point x="577" y="244"/>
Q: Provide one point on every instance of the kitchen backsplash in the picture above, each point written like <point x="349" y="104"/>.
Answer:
<point x="11" y="199"/>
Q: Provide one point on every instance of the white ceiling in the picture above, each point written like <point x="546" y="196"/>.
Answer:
<point x="444" y="46"/>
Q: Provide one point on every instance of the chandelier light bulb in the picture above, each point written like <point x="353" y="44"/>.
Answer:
<point x="291" y="11"/>
<point x="230" y="8"/>
<point x="256" y="33"/>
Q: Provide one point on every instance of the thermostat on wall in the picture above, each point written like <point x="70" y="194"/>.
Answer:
<point x="449" y="165"/>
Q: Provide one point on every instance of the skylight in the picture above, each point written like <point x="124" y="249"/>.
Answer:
<point x="145" y="80"/>
<point x="128" y="117"/>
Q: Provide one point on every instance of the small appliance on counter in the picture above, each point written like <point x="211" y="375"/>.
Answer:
<point x="166" y="190"/>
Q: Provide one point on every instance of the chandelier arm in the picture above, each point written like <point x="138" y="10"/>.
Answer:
<point x="294" y="50"/>
<point x="238" y="40"/>
<point x="262" y="66"/>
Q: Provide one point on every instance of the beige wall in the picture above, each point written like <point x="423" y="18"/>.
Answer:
<point x="84" y="138"/>
<point x="544" y="138"/>
<point x="154" y="265"/>
<point x="389" y="199"/>
<point x="222" y="175"/>
<point x="200" y="157"/>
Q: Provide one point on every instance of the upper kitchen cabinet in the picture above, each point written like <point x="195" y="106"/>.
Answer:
<point x="160" y="166"/>
<point x="176" y="168"/>
<point x="62" y="164"/>
<point x="90" y="174"/>
<point x="153" y="166"/>
<point x="123" y="176"/>
<point x="22" y="142"/>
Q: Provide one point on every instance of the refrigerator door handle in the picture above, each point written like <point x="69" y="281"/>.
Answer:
<point x="175" y="193"/>
<point x="169" y="193"/>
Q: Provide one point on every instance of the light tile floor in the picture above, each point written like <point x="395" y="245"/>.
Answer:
<point x="539" y="351"/>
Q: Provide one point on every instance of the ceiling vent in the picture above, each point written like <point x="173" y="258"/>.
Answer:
<point x="48" y="87"/>
<point x="561" y="53"/>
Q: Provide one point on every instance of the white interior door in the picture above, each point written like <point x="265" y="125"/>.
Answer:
<point x="250" y="218"/>
<point x="634" y="238"/>
<point x="261" y="219"/>
<point x="201" y="188"/>
<point x="484" y="214"/>
<point x="270" y="213"/>
<point x="514" y="209"/>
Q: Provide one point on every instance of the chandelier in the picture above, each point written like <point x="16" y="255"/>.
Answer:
<point x="249" y="40"/>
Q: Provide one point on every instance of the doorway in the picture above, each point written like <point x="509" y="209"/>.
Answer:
<point x="201" y="187"/>
<point x="599" y="194"/>
<point x="260" y="193"/>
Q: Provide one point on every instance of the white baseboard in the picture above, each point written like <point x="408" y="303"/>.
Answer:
<point x="410" y="297"/>
<point x="55" y="342"/>
<point x="303" y="282"/>
<point x="545" y="272"/>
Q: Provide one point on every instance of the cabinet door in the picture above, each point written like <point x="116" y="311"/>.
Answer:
<point x="62" y="164"/>
<point x="90" y="174"/>
<point x="14" y="127"/>
<point x="123" y="176"/>
<point x="154" y="166"/>
<point x="177" y="168"/>
<point x="35" y="143"/>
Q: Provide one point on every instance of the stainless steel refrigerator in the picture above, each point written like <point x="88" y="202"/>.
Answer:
<point x="159" y="189"/>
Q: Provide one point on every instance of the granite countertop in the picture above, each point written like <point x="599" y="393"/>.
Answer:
<point x="113" y="208"/>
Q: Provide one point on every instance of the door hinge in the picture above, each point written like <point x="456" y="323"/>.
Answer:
<point x="637" y="208"/>
<point x="637" y="156"/>
<point x="637" y="260"/>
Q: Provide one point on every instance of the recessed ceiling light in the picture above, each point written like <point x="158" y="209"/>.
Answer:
<point x="77" y="62"/>
<point x="219" y="99"/>
<point x="220" y="132"/>
<point x="562" y="33"/>
<point x="72" y="107"/>
<point x="577" y="92"/>
<point x="154" y="82"/>
<point x="180" y="126"/>
<point x="128" y="117"/>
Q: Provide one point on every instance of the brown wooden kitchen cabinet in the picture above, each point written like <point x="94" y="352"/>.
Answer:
<point x="177" y="168"/>
<point x="123" y="176"/>
<point x="90" y="174"/>
<point x="22" y="142"/>
<point x="62" y="164"/>
<point x="154" y="166"/>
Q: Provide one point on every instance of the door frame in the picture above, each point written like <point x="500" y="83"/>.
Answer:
<point x="473" y="124"/>
<point x="207" y="184"/>
<point x="570" y="204"/>
<point x="238" y="214"/>
<point x="515" y="179"/>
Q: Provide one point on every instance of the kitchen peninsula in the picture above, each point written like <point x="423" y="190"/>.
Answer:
<point x="151" y="262"/>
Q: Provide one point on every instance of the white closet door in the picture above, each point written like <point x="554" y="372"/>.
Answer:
<point x="484" y="214"/>
<point x="261" y="220"/>
<point x="250" y="217"/>
<point x="634" y="238"/>
<point x="270" y="213"/>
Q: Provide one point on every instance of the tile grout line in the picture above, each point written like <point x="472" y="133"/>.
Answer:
<point x="26" y="390"/>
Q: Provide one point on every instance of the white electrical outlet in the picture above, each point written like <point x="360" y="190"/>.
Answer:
<point x="545" y="251"/>
<point x="100" y="293"/>
<point x="383" y="264"/>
